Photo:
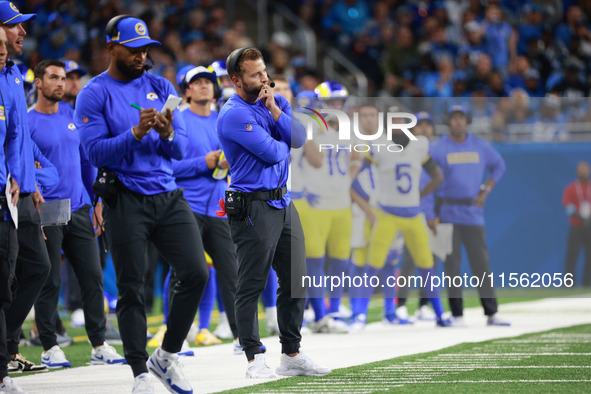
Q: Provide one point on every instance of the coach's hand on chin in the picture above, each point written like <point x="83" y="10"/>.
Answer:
<point x="267" y="97"/>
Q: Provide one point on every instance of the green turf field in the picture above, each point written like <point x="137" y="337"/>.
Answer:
<point x="552" y="361"/>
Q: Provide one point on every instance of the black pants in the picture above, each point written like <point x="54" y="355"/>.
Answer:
<point x="79" y="244"/>
<point x="32" y="270"/>
<point x="8" y="252"/>
<point x="166" y="220"/>
<point x="472" y="237"/>
<point x="579" y="237"/>
<point x="267" y="237"/>
<point x="217" y="241"/>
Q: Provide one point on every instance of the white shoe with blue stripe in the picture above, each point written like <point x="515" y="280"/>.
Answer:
<point x="54" y="358"/>
<point x="106" y="355"/>
<point x="167" y="368"/>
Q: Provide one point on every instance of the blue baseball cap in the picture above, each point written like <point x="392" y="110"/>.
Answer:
<point x="180" y="76"/>
<point x="73" y="66"/>
<point x="132" y="33"/>
<point x="10" y="15"/>
<point x="424" y="115"/>
<point x="201" y="72"/>
<point x="458" y="108"/>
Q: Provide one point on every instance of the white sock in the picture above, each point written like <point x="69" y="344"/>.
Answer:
<point x="166" y="355"/>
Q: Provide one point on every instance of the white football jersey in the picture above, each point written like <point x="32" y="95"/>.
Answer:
<point x="329" y="185"/>
<point x="399" y="174"/>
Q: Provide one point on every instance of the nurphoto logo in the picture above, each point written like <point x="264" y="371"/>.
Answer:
<point x="344" y="129"/>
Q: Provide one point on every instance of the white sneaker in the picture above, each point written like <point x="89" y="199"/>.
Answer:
<point x="106" y="355"/>
<point x="345" y="312"/>
<point x="258" y="369"/>
<point x="458" y="321"/>
<point x="271" y="317"/>
<point x="329" y="325"/>
<point x="237" y="349"/>
<point x="54" y="358"/>
<point x="223" y="330"/>
<point x="300" y="365"/>
<point x="77" y="318"/>
<point x="142" y="384"/>
<point x="424" y="313"/>
<point x="402" y="312"/>
<point x="9" y="386"/>
<point x="496" y="320"/>
<point x="167" y="368"/>
<point x="358" y="323"/>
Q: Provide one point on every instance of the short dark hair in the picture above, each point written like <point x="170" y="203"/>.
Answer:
<point x="249" y="54"/>
<point x="42" y="66"/>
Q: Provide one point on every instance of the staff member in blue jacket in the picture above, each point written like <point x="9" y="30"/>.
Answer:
<point x="33" y="261"/>
<point x="195" y="173"/>
<point x="464" y="159"/>
<point x="148" y="205"/>
<point x="256" y="133"/>
<point x="8" y="240"/>
<point x="53" y="130"/>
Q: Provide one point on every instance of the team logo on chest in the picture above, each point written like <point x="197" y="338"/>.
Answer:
<point x="18" y="81"/>
<point x="71" y="126"/>
<point x="152" y="96"/>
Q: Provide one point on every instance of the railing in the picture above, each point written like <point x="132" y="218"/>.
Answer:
<point x="334" y="57"/>
<point x="307" y="44"/>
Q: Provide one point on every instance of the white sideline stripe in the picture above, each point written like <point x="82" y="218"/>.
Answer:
<point x="215" y="368"/>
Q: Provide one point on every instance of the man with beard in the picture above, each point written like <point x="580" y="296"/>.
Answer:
<point x="256" y="133"/>
<point x="54" y="132"/>
<point x="143" y="200"/>
<point x="8" y="246"/>
<point x="465" y="159"/>
<point x="33" y="265"/>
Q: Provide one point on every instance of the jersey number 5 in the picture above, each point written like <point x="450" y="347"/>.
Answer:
<point x="403" y="172"/>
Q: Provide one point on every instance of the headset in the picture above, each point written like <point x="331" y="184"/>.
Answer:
<point x="232" y="63"/>
<point x="112" y="31"/>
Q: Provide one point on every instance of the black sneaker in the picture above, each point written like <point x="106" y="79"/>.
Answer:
<point x="25" y="365"/>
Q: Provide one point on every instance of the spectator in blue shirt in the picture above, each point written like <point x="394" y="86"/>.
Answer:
<point x="464" y="159"/>
<point x="500" y="39"/>
<point x="531" y="26"/>
<point x="345" y="19"/>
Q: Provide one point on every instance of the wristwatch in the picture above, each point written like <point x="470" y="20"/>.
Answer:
<point x="485" y="188"/>
<point x="170" y="136"/>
